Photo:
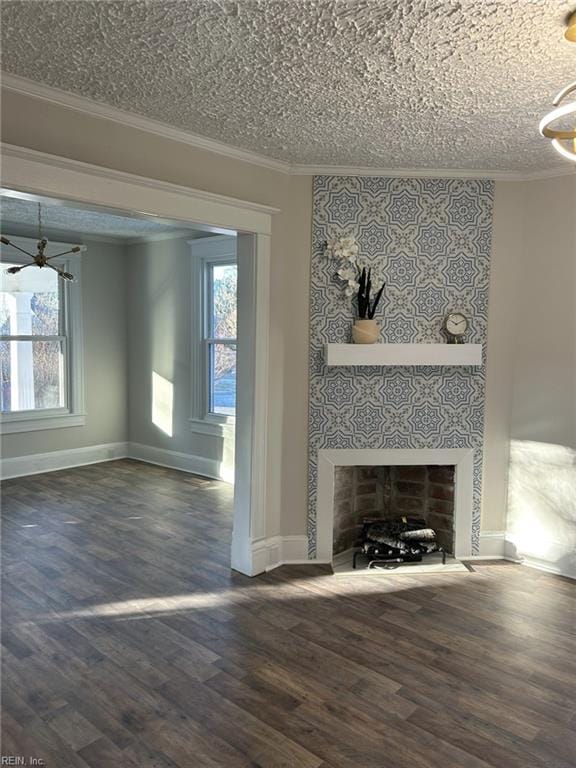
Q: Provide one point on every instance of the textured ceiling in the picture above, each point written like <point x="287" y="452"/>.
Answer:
<point x="60" y="218"/>
<point x="381" y="83"/>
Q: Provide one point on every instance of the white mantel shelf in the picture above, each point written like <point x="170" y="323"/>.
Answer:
<point x="403" y="354"/>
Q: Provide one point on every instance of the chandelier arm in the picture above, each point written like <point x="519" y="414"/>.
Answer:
<point x="61" y="273"/>
<point x="64" y="253"/>
<point x="24" y="266"/>
<point x="20" y="249"/>
<point x="51" y="266"/>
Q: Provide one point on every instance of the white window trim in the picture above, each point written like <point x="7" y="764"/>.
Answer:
<point x="74" y="413"/>
<point x="221" y="248"/>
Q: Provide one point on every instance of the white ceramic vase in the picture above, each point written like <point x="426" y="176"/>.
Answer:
<point x="365" y="332"/>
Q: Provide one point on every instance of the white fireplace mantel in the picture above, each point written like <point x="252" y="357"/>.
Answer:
<point x="461" y="458"/>
<point x="404" y="354"/>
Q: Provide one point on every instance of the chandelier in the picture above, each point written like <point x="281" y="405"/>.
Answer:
<point x="563" y="140"/>
<point x="39" y="259"/>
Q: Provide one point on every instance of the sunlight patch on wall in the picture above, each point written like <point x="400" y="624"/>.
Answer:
<point x="542" y="501"/>
<point x="163" y="404"/>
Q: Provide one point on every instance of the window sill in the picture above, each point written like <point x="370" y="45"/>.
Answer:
<point x="38" y="423"/>
<point x="213" y="428"/>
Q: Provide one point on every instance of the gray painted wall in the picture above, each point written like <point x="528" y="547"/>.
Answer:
<point x="137" y="307"/>
<point x="105" y="345"/>
<point x="159" y="323"/>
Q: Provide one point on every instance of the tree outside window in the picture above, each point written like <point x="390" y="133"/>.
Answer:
<point x="32" y="344"/>
<point x="222" y="286"/>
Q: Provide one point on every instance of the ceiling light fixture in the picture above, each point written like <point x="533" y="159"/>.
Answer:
<point x="563" y="140"/>
<point x="40" y="259"/>
<point x="570" y="33"/>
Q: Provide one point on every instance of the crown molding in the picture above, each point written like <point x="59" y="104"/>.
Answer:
<point x="131" y="120"/>
<point x="93" y="108"/>
<point x="67" y="164"/>
<point x="550" y="173"/>
<point x="432" y="173"/>
<point x="406" y="173"/>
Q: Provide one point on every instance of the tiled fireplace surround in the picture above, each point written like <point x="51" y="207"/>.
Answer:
<point x="431" y="239"/>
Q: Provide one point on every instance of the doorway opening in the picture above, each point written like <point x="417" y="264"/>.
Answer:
<point x="158" y="350"/>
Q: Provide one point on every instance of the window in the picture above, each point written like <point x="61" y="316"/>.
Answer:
<point x="221" y="290"/>
<point x="39" y="345"/>
<point x="214" y="332"/>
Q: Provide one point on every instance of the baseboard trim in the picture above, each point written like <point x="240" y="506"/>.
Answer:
<point x="497" y="545"/>
<point x="286" y="550"/>
<point x="268" y="554"/>
<point x="540" y="565"/>
<point x="309" y="561"/>
<point x="54" y="461"/>
<point x="185" y="462"/>
<point x="38" y="463"/>
<point x="492" y="545"/>
<point x="527" y="562"/>
<point x="243" y="559"/>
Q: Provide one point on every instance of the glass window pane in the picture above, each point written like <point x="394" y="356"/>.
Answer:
<point x="224" y="288"/>
<point x="29" y="302"/>
<point x="223" y="379"/>
<point x="32" y="374"/>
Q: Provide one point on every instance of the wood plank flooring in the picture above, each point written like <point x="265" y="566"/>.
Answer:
<point x="128" y="642"/>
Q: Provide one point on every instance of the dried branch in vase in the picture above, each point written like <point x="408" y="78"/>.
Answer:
<point x="358" y="280"/>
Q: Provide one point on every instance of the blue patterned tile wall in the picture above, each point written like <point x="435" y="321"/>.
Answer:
<point x="431" y="239"/>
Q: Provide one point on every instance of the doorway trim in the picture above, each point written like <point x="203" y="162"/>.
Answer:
<point x="39" y="174"/>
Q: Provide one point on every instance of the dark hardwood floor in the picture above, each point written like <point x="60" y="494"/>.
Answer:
<point x="128" y="642"/>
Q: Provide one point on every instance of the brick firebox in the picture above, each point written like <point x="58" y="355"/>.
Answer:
<point x="389" y="491"/>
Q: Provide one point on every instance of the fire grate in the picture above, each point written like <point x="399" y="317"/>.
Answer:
<point x="397" y="540"/>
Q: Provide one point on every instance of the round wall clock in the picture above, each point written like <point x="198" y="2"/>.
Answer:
<point x="455" y="325"/>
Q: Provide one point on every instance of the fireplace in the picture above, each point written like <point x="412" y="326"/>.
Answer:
<point x="434" y="484"/>
<point x="423" y="491"/>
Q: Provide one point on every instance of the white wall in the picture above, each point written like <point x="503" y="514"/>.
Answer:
<point x="530" y="441"/>
<point x="161" y="312"/>
<point x="544" y="386"/>
<point x="507" y="244"/>
<point x="542" y="483"/>
<point x="105" y="360"/>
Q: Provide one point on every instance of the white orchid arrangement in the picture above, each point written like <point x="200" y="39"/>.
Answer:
<point x="345" y="251"/>
<point x="357" y="280"/>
